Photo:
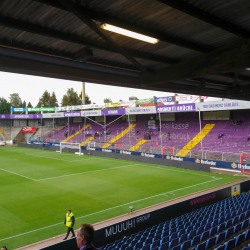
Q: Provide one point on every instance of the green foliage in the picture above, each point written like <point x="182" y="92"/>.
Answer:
<point x="29" y="105"/>
<point x="87" y="98"/>
<point x="107" y="100"/>
<point x="71" y="98"/>
<point x="53" y="100"/>
<point x="4" y="106"/>
<point x="44" y="99"/>
<point x="15" y="100"/>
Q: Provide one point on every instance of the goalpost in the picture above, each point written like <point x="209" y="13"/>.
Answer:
<point x="70" y="145"/>
<point x="119" y="145"/>
<point x="245" y="159"/>
<point x="168" y="150"/>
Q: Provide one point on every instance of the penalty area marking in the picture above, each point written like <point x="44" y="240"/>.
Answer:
<point x="163" y="194"/>
<point x="17" y="174"/>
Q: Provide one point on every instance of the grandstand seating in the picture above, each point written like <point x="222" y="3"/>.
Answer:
<point x="234" y="139"/>
<point x="222" y="225"/>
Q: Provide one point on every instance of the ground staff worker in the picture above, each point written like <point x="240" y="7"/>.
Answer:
<point x="69" y="222"/>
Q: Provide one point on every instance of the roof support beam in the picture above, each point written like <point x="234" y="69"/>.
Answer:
<point x="233" y="58"/>
<point x="84" y="17"/>
<point x="205" y="16"/>
<point x="125" y="24"/>
<point x="52" y="33"/>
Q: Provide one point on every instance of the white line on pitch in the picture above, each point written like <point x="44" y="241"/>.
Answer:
<point x="107" y="209"/>
<point x="83" y="173"/>
<point x="17" y="174"/>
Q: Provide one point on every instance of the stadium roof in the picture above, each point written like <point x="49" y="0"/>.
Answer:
<point x="203" y="46"/>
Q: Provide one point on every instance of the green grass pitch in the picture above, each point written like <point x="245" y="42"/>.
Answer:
<point x="38" y="187"/>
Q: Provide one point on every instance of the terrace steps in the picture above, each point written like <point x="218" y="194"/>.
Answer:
<point x="76" y="133"/>
<point x="191" y="144"/>
<point x="86" y="141"/>
<point x="136" y="146"/>
<point x="116" y="138"/>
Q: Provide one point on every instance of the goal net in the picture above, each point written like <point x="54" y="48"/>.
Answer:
<point x="70" y="145"/>
<point x="167" y="151"/>
<point x="245" y="163"/>
<point x="119" y="146"/>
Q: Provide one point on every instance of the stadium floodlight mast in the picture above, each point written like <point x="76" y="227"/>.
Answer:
<point x="200" y="131"/>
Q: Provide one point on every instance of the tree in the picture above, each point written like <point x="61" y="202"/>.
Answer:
<point x="53" y="100"/>
<point x="71" y="98"/>
<point x="4" y="106"/>
<point x="29" y="105"/>
<point x="106" y="100"/>
<point x="87" y="98"/>
<point x="44" y="99"/>
<point x="15" y="100"/>
<point x="24" y="104"/>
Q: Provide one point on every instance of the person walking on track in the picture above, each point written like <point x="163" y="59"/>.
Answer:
<point x="69" y="222"/>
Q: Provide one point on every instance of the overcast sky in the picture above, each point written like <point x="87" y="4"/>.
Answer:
<point x="30" y="89"/>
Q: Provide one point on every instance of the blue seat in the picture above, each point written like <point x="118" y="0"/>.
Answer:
<point x="173" y="230"/>
<point x="229" y="232"/>
<point x="130" y="248"/>
<point x="191" y="235"/>
<point x="146" y="247"/>
<point x="155" y="248"/>
<point x="247" y="235"/>
<point x="212" y="231"/>
<point x="195" y="240"/>
<point x="233" y="214"/>
<point x="148" y="241"/>
<point x="156" y="243"/>
<point x="185" y="245"/>
<point x="219" y="238"/>
<point x="214" y="223"/>
<point x="239" y="211"/>
<point x="157" y="237"/>
<point x="203" y="223"/>
<point x="173" y="243"/>
<point x="229" y="223"/>
<point x="182" y="238"/>
<point x="221" y="228"/>
<point x="221" y="219"/>
<point x="204" y="236"/>
<point x="216" y="216"/>
<point x="200" y="230"/>
<point x="182" y="231"/>
<point x="247" y="214"/>
<point x="210" y="243"/>
<point x="164" y="246"/>
<point x="165" y="239"/>
<point x="201" y="246"/>
<point x="229" y="245"/>
<point x="207" y="226"/>
<point x="244" y="224"/>
<point x="166" y="233"/>
<point x="189" y="228"/>
<point x="237" y="228"/>
<point x="196" y="226"/>
<point x="241" y="217"/>
<point x="176" y="247"/>
<point x="138" y="245"/>
<point x="239" y="239"/>
<point x="210" y="219"/>
<point x="228" y="216"/>
<point x="124" y="246"/>
<point x="173" y="236"/>
<point x="235" y="220"/>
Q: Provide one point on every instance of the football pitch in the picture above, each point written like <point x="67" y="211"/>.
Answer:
<point x="38" y="187"/>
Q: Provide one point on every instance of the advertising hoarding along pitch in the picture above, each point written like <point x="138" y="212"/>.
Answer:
<point x="28" y="129"/>
<point x="164" y="99"/>
<point x="176" y="108"/>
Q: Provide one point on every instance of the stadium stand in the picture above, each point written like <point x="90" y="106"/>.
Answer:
<point x="222" y="225"/>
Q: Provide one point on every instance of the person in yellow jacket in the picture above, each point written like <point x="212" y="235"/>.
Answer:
<point x="69" y="222"/>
